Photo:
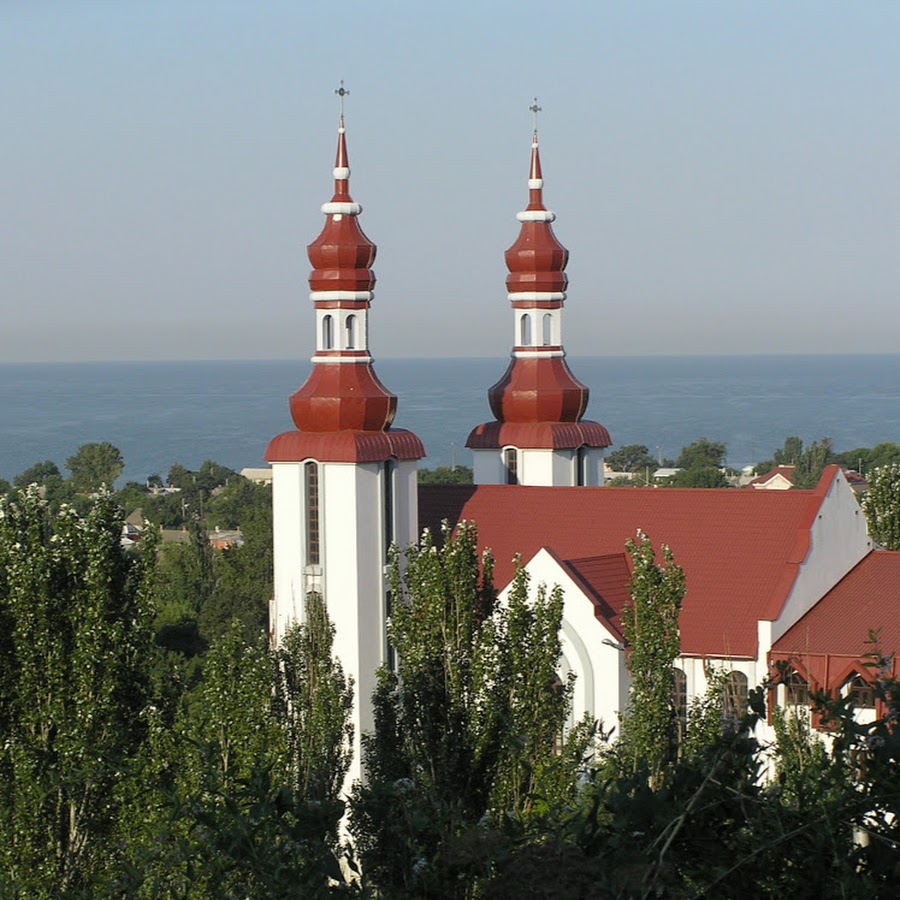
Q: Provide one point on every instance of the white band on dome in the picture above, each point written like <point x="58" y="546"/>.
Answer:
<point x="342" y="173"/>
<point x="536" y="215"/>
<point x="534" y="184"/>
<point x="341" y="209"/>
<point x="537" y="295"/>
<point x="340" y="295"/>
<point x="340" y="360"/>
<point x="537" y="353"/>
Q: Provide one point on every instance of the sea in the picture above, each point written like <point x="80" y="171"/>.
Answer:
<point x="159" y="413"/>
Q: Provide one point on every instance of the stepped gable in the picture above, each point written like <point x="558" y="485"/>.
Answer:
<point x="342" y="413"/>
<point x="741" y="551"/>
<point x="538" y="402"/>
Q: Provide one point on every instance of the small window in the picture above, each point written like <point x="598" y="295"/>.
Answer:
<point x="547" y="330"/>
<point x="350" y="330"/>
<point x="390" y="475"/>
<point x="734" y="698"/>
<point x="861" y="692"/>
<point x="679" y="703"/>
<point x="525" y="330"/>
<point x="328" y="333"/>
<point x="581" y="466"/>
<point x="511" y="465"/>
<point x="796" y="689"/>
<point x="311" y="479"/>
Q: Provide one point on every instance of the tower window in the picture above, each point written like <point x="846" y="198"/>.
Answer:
<point x="525" y="330"/>
<point x="311" y="479"/>
<point x="547" y="330"/>
<point x="350" y="329"/>
<point x="581" y="466"/>
<point x="328" y="333"/>
<point x="511" y="465"/>
<point x="390" y="474"/>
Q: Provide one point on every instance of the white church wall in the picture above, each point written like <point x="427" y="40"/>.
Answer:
<point x="288" y="537"/>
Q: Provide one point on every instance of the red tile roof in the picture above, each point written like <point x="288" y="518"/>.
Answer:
<point x="740" y="550"/>
<point x="786" y="472"/>
<point x="872" y="591"/>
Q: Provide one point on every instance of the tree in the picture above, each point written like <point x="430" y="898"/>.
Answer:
<point x="811" y="463"/>
<point x="37" y="474"/>
<point x="94" y="465"/>
<point x="701" y="453"/>
<point x="465" y="728"/>
<point x="74" y="690"/>
<point x="446" y="475"/>
<point x="650" y="626"/>
<point x="882" y="506"/>
<point x="631" y="458"/>
<point x="697" y="477"/>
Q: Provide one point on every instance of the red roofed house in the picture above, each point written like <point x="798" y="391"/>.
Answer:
<point x="344" y="488"/>
<point x="781" y="478"/>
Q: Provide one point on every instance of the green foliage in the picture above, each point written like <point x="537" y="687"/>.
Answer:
<point x="650" y="624"/>
<point x="5" y="486"/>
<point x="811" y="463"/>
<point x="74" y="690"/>
<point x="447" y="475"/>
<point x="94" y="465"/>
<point x="702" y="453"/>
<point x="631" y="458"/>
<point x="882" y="506"/>
<point x="465" y="728"/>
<point x="697" y="477"/>
<point x="37" y="474"/>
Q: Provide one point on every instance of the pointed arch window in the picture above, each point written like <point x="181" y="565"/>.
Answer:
<point x="861" y="692"/>
<point x="328" y="332"/>
<point x="350" y="332"/>
<point x="796" y="689"/>
<point x="581" y="466"/>
<point x="311" y="485"/>
<point x="525" y="330"/>
<point x="547" y="330"/>
<point x="734" y="698"/>
<point x="511" y="465"/>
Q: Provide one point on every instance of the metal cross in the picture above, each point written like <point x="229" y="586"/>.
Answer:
<point x="535" y="109"/>
<point x="342" y="92"/>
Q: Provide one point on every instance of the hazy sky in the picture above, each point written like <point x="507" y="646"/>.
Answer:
<point x="725" y="175"/>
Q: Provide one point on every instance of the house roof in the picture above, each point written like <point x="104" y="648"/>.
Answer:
<point x="740" y="550"/>
<point x="786" y="472"/>
<point x="869" y="589"/>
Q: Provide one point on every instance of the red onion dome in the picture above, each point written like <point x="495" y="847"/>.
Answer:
<point x="538" y="390"/>
<point x="344" y="397"/>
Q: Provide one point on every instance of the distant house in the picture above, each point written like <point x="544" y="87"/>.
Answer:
<point x="262" y="475"/>
<point x="781" y="478"/>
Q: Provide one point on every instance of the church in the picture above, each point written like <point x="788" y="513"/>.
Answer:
<point x="770" y="574"/>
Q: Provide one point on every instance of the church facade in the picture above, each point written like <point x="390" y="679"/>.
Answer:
<point x="345" y="488"/>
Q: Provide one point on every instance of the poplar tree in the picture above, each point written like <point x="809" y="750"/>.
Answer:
<point x="468" y="726"/>
<point x="650" y="625"/>
<point x="882" y="506"/>
<point x="74" y="690"/>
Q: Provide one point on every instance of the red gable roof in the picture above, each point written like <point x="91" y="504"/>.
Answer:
<point x="740" y="550"/>
<point x="872" y="591"/>
<point x="786" y="472"/>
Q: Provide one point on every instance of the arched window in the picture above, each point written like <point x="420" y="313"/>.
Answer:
<point x="328" y="333"/>
<point x="734" y="699"/>
<point x="679" y="703"/>
<point x="581" y="466"/>
<point x="525" y="330"/>
<point x="350" y="332"/>
<point x="511" y="465"/>
<point x="861" y="692"/>
<point x="388" y="512"/>
<point x="796" y="689"/>
<point x="547" y="330"/>
<point x="311" y="484"/>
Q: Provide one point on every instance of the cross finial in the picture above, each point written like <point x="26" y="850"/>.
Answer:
<point x="535" y="109"/>
<point x="342" y="92"/>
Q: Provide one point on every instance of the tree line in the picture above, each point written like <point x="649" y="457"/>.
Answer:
<point x="122" y="774"/>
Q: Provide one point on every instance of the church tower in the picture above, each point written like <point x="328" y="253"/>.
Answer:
<point x="538" y="436"/>
<point x="343" y="480"/>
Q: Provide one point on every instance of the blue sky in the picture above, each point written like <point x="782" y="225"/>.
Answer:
<point x="725" y="175"/>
